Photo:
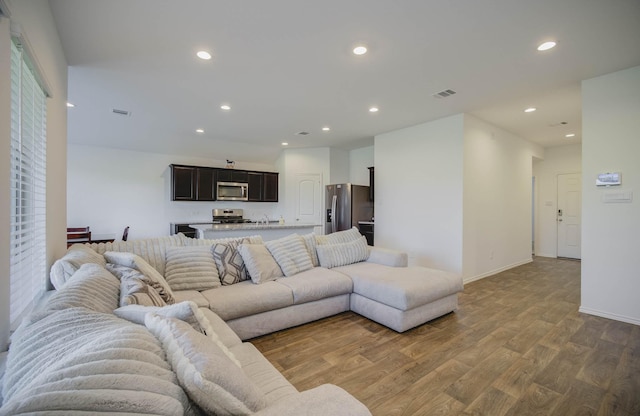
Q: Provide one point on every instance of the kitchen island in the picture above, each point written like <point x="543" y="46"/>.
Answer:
<point x="269" y="231"/>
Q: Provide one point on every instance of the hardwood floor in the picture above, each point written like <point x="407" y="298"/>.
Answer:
<point x="517" y="345"/>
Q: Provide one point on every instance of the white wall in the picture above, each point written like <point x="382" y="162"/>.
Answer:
<point x="39" y="29"/>
<point x="339" y="166"/>
<point x="419" y="187"/>
<point x="611" y="231"/>
<point x="111" y="188"/>
<point x="359" y="162"/>
<point x="557" y="160"/>
<point x="497" y="199"/>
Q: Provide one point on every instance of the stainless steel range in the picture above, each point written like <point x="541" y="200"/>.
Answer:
<point x="228" y="216"/>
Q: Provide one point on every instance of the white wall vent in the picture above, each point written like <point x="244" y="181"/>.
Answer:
<point x="444" y="94"/>
<point x="121" y="112"/>
<point x="302" y="133"/>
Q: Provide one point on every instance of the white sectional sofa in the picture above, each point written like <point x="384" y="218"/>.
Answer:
<point x="118" y="314"/>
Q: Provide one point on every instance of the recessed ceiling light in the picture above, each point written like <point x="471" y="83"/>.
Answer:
<point x="360" y="50"/>
<point x="546" y="46"/>
<point x="373" y="109"/>
<point x="530" y="110"/>
<point x="570" y="135"/>
<point x="199" y="130"/>
<point x="326" y="129"/>
<point x="225" y="107"/>
<point x="204" y="55"/>
<point x="70" y="105"/>
<point x="285" y="144"/>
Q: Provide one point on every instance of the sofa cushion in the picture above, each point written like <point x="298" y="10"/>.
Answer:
<point x="226" y="334"/>
<point x="76" y="256"/>
<point x="290" y="253"/>
<point x="231" y="267"/>
<point x="185" y="311"/>
<point x="341" y="254"/>
<point x="192" y="295"/>
<point x="136" y="262"/>
<point x="152" y="250"/>
<point x="204" y="371"/>
<point x="310" y="243"/>
<point x="92" y="287"/>
<point x="81" y="361"/>
<point x="135" y="287"/>
<point x="245" y="298"/>
<point x="339" y="237"/>
<point x="260" y="264"/>
<point x="262" y="373"/>
<point x="317" y="283"/>
<point x="191" y="268"/>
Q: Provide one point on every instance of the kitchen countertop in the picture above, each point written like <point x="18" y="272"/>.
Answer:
<point x="250" y="226"/>
<point x="366" y="222"/>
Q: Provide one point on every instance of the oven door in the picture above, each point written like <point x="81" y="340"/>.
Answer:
<point x="232" y="191"/>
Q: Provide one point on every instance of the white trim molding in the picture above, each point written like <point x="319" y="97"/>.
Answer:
<point x="609" y="315"/>
<point x="496" y="271"/>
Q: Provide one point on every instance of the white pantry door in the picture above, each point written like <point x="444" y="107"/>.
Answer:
<point x="308" y="198"/>
<point x="569" y="215"/>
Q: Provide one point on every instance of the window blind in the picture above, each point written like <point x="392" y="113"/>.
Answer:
<point x="27" y="265"/>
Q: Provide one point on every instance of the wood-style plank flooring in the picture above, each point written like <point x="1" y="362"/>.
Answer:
<point x="517" y="345"/>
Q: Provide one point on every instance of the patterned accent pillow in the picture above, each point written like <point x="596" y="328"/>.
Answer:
<point x="310" y="243"/>
<point x="135" y="287"/>
<point x="339" y="237"/>
<point x="259" y="262"/>
<point x="231" y="268"/>
<point x="191" y="268"/>
<point x="154" y="278"/>
<point x="291" y="254"/>
<point x="204" y="371"/>
<point x="334" y="255"/>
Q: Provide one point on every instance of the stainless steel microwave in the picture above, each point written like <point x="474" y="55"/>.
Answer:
<point x="232" y="191"/>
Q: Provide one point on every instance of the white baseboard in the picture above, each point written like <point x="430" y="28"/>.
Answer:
<point x="609" y="315"/>
<point x="552" y="256"/>
<point x="496" y="271"/>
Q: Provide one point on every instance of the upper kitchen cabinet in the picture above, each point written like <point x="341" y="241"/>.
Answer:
<point x="193" y="183"/>
<point x="269" y="187"/>
<point x="232" y="175"/>
<point x="205" y="184"/>
<point x="197" y="183"/>
<point x="255" y="181"/>
<point x="183" y="183"/>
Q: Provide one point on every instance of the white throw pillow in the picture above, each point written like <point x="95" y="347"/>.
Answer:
<point x="186" y="311"/>
<point x="291" y="254"/>
<point x="260" y="264"/>
<point x="76" y="256"/>
<point x="191" y="268"/>
<point x="136" y="262"/>
<point x="339" y="237"/>
<point x="208" y="376"/>
<point x="334" y="255"/>
<point x="310" y="243"/>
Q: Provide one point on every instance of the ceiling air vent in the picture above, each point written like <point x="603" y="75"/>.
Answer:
<point x="302" y="133"/>
<point x="121" y="112"/>
<point x="444" y="94"/>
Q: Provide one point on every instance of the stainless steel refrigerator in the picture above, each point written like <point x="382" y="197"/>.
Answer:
<point x="346" y="205"/>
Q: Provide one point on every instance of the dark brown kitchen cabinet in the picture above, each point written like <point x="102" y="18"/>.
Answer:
<point x="366" y="229"/>
<point x="270" y="187"/>
<point x="205" y="184"/>
<point x="232" y="175"/>
<point x="255" y="179"/>
<point x="372" y="183"/>
<point x="183" y="183"/>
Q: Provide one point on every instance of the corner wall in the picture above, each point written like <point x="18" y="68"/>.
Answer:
<point x="419" y="188"/>
<point x="611" y="231"/>
<point x="497" y="199"/>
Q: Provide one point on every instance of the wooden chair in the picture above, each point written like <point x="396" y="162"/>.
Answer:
<point x="78" y="235"/>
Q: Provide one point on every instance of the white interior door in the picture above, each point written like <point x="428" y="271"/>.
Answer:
<point x="308" y="198"/>
<point x="569" y="215"/>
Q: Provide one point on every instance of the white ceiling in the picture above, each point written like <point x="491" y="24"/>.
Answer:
<point x="286" y="66"/>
